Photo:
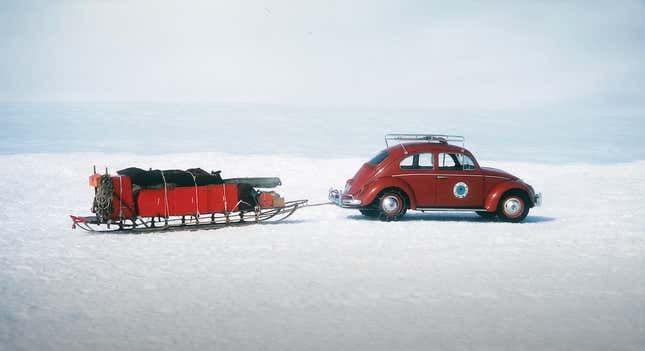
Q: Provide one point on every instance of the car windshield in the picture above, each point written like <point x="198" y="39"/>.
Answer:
<point x="376" y="160"/>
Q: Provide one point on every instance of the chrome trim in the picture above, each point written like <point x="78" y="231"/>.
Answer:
<point x="423" y="209"/>
<point x="390" y="204"/>
<point x="343" y="200"/>
<point x="405" y="151"/>
<point x="512" y="206"/>
<point x="448" y="175"/>
<point x="429" y="138"/>
<point x="413" y="174"/>
<point x="439" y="174"/>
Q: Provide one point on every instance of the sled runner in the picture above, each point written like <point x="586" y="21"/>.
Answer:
<point x="135" y="200"/>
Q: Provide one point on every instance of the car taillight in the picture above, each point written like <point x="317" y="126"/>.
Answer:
<point x="348" y="186"/>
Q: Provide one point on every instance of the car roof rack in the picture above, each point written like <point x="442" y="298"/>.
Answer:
<point x="430" y="138"/>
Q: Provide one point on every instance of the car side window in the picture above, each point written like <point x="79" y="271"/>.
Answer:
<point x="417" y="161"/>
<point x="455" y="161"/>
<point x="468" y="163"/>
<point x="408" y="162"/>
<point x="425" y="161"/>
<point x="447" y="161"/>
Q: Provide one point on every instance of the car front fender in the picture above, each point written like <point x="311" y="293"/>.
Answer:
<point x="495" y="194"/>
<point x="369" y="193"/>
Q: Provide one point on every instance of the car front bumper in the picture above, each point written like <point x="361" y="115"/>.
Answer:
<point x="343" y="200"/>
<point x="537" y="199"/>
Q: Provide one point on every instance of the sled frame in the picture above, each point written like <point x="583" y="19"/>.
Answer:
<point x="138" y="224"/>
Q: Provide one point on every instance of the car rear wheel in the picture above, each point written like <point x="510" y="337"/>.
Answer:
<point x="392" y="205"/>
<point x="513" y="207"/>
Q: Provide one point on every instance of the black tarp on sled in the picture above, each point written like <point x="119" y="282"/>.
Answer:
<point x="177" y="177"/>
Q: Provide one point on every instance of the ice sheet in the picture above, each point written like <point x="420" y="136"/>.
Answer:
<point x="570" y="277"/>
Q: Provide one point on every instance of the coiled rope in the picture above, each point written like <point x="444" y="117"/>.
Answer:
<point x="103" y="200"/>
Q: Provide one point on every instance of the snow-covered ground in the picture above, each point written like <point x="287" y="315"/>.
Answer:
<point x="571" y="277"/>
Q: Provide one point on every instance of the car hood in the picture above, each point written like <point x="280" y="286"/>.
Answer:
<point x="495" y="172"/>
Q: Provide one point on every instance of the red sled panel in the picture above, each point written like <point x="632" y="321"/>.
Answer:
<point x="151" y="202"/>
<point x="122" y="201"/>
<point x="218" y="202"/>
<point x="189" y="201"/>
<point x="184" y="201"/>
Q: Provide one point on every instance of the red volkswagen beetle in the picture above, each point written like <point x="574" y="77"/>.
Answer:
<point x="424" y="172"/>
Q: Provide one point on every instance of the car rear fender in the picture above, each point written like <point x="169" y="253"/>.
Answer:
<point x="369" y="193"/>
<point x="495" y="194"/>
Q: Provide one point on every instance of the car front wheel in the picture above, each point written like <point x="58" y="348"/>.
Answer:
<point x="513" y="207"/>
<point x="392" y="205"/>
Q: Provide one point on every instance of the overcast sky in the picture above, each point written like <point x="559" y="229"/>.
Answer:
<point x="465" y="54"/>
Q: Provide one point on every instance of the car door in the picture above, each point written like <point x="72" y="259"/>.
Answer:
<point x="417" y="170"/>
<point x="459" y="183"/>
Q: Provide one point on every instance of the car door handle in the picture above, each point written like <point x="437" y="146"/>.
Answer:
<point x="442" y="177"/>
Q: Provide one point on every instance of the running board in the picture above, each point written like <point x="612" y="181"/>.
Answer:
<point x="423" y="209"/>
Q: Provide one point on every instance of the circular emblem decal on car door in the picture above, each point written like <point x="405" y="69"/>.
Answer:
<point x="460" y="190"/>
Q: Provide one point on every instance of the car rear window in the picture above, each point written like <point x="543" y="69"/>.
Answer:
<point x="376" y="160"/>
